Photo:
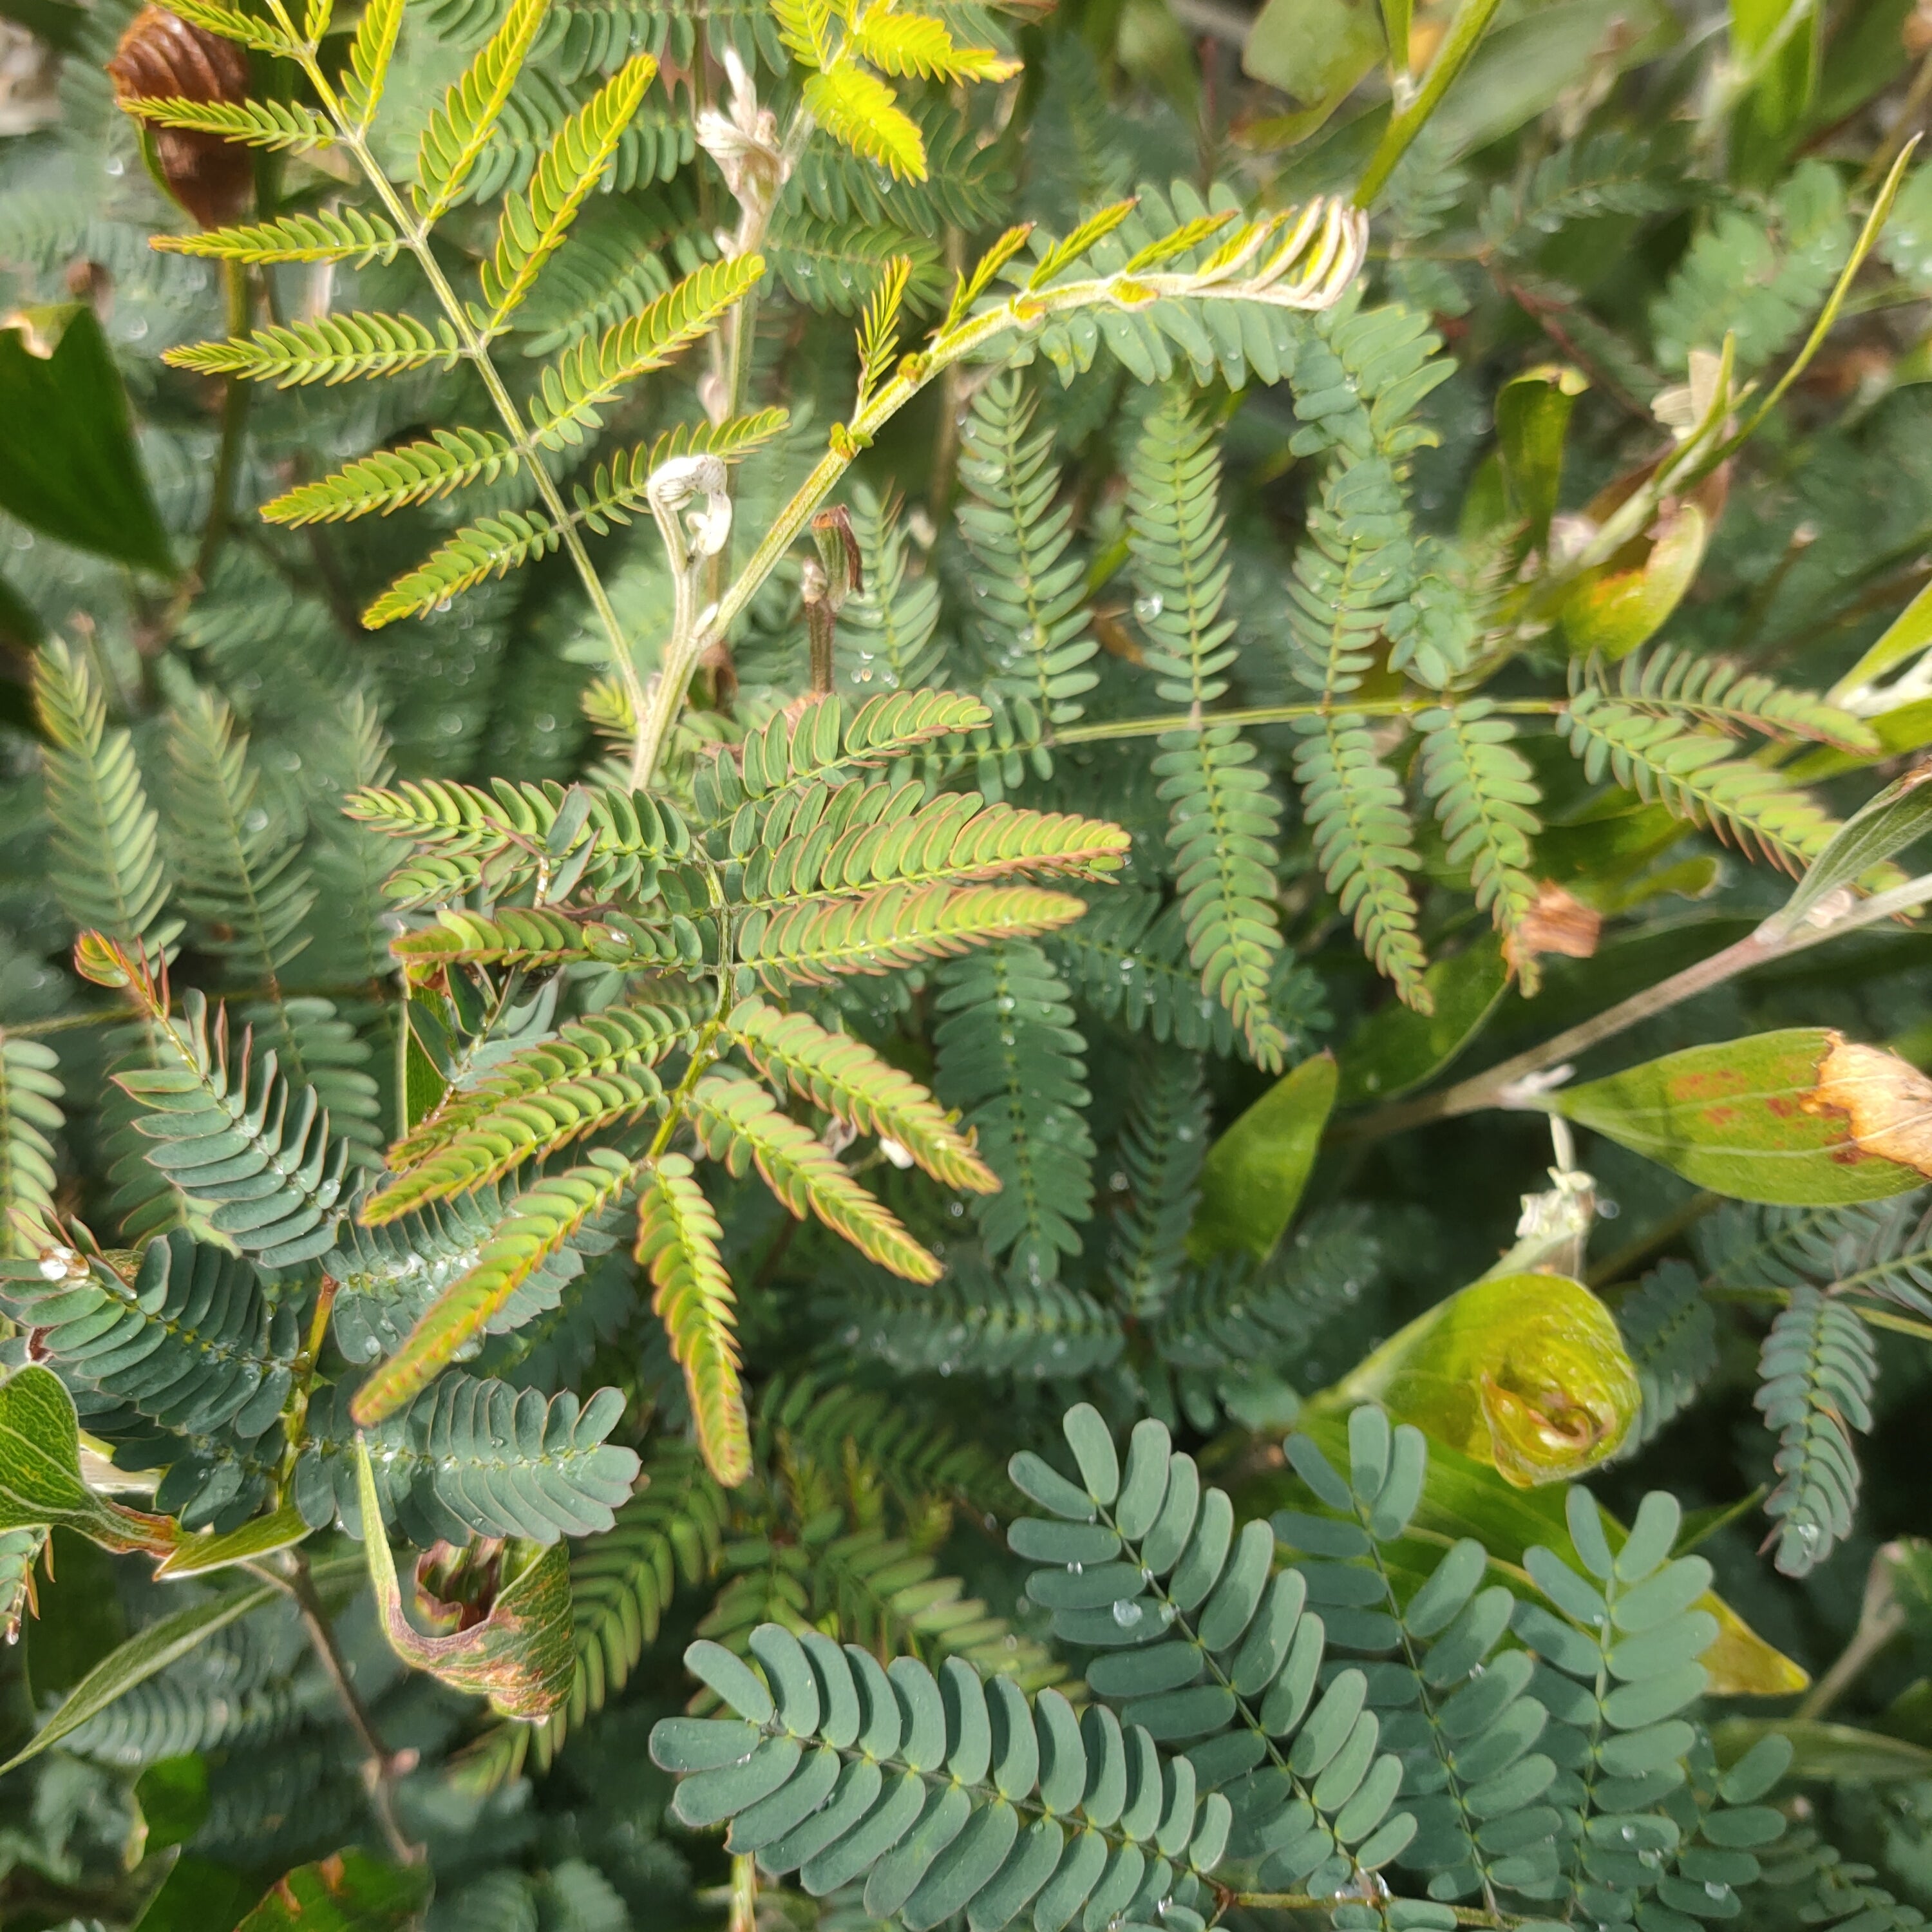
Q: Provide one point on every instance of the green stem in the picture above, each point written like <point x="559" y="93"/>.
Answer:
<point x="1409" y="121"/>
<point x="234" y="421"/>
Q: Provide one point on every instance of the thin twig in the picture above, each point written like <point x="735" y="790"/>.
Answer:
<point x="378" y="1766"/>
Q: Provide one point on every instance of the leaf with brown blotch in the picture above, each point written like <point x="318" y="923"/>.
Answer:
<point x="1887" y="1101"/>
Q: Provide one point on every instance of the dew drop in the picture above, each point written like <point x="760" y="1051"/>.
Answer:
<point x="1147" y="607"/>
<point x="1126" y="1613"/>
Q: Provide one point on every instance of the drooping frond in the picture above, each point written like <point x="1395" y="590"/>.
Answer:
<point x="1011" y="1059"/>
<point x="1671" y="1332"/>
<point x="1222" y="818"/>
<point x="1882" y="1249"/>
<point x="1364" y="842"/>
<point x="1031" y="615"/>
<point x="184" y="1337"/>
<point x="888" y="631"/>
<point x="860" y="112"/>
<point x="227" y="1130"/>
<point x="330" y="349"/>
<point x="741" y="1125"/>
<point x="1486" y="798"/>
<point x="1817" y="1372"/>
<point x="540" y="1221"/>
<point x="678" y="1237"/>
<point x="850" y="1082"/>
<point x="1161" y="1148"/>
<point x="492" y="547"/>
<point x="30" y="1115"/>
<point x="110" y="876"/>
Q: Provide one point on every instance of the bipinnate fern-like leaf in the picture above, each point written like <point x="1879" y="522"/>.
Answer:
<point x="1364" y="842"/>
<point x="538" y="1222"/>
<point x="31" y="1091"/>
<point x="888" y="631"/>
<point x="588" y="376"/>
<point x="822" y="741"/>
<point x="473" y="1456"/>
<point x="459" y="128"/>
<point x="1486" y="798"/>
<point x="1162" y="1145"/>
<point x="1817" y="1372"/>
<point x="944" y="1794"/>
<point x="850" y="1082"/>
<point x="328" y="350"/>
<point x="1695" y="775"/>
<point x="1882" y="1249"/>
<point x="860" y="112"/>
<point x="1011" y="1059"/>
<point x="1222" y="818"/>
<point x="595" y="1073"/>
<point x="225" y="1128"/>
<point x="371" y="49"/>
<point x="488" y="548"/>
<point x="534" y="221"/>
<point x="185" y="1336"/>
<point x="390" y="479"/>
<point x="1621" y="1643"/>
<point x="534" y="937"/>
<point x="1031" y="616"/>
<point x="828" y="935"/>
<point x="1205" y="1644"/>
<point x="613" y="843"/>
<point x="1720" y="694"/>
<point x="678" y="1240"/>
<point x="252" y="124"/>
<point x="740" y="1124"/>
<point x="329" y="234"/>
<point x="1670" y="1331"/>
<point x="109" y="875"/>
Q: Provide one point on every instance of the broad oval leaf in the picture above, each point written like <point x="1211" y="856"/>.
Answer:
<point x="1253" y="1179"/>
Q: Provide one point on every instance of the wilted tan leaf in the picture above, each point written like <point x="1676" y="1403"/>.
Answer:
<point x="1887" y="1100"/>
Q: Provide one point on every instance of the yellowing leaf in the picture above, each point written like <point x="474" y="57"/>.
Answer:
<point x="860" y="112"/>
<point x="911" y="43"/>
<point x="519" y="1655"/>
<point x="1526" y="1373"/>
<point x="1798" y="1118"/>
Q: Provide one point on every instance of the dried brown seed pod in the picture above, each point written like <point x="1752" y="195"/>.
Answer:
<point x="162" y="57"/>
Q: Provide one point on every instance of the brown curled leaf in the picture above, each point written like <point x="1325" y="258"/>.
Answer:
<point x="162" y="57"/>
<point x="1557" y="922"/>
<point x="1886" y="1101"/>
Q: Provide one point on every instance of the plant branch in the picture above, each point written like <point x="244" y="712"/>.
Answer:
<point x="379" y="1765"/>
<point x="234" y="421"/>
<point x="1758" y="948"/>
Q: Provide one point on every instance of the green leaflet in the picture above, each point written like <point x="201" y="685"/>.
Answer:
<point x="41" y="1482"/>
<point x="353" y="1893"/>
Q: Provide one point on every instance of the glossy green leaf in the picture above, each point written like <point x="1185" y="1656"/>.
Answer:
<point x="1253" y="1179"/>
<point x="147" y="1651"/>
<point x="69" y="466"/>
<point x="199" y="1895"/>
<point x="519" y="1655"/>
<point x="197" y="1555"/>
<point x="1397" y="1049"/>
<point x="350" y="1892"/>
<point x="1532" y="420"/>
<point x="1826" y="1753"/>
<point x="41" y="1482"/>
<point x="1314" y="50"/>
<point x="1899" y="816"/>
<point x="1799" y="1118"/>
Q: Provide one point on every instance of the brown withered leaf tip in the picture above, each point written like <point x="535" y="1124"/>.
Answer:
<point x="1887" y="1101"/>
<point x="1556" y="922"/>
<point x="162" y="57"/>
